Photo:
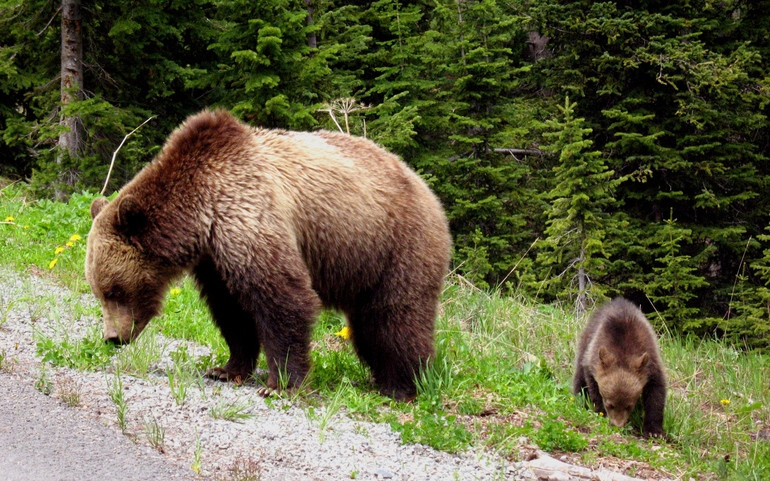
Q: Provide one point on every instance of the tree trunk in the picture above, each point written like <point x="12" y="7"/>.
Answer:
<point x="312" y="41"/>
<point x="580" y="306"/>
<point x="71" y="90"/>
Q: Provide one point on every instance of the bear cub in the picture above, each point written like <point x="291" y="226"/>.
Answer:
<point x="618" y="361"/>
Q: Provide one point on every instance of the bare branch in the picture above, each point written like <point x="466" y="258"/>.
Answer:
<point x="114" y="154"/>
<point x="49" y="22"/>
<point x="331" y="114"/>
<point x="516" y="152"/>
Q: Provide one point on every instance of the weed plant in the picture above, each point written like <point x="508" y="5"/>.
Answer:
<point x="139" y="358"/>
<point x="115" y="389"/>
<point x="196" y="464"/>
<point x="155" y="433"/>
<point x="69" y="392"/>
<point x="43" y="383"/>
<point x="87" y="353"/>
<point x="245" y="469"/>
<point x="234" y="411"/>
<point x="501" y="376"/>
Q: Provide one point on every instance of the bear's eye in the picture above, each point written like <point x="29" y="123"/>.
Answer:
<point x="114" y="293"/>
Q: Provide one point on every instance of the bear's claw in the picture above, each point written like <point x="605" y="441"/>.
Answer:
<point x="265" y="391"/>
<point x="221" y="374"/>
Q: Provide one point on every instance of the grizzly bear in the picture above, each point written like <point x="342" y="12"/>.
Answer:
<point x="618" y="362"/>
<point x="273" y="225"/>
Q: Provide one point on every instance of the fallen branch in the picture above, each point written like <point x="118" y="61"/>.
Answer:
<point x="114" y="154"/>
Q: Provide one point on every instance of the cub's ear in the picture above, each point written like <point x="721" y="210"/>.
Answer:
<point x="97" y="205"/>
<point x="605" y="357"/>
<point x="641" y="362"/>
<point x="131" y="219"/>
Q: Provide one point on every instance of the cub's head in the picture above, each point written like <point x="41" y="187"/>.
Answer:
<point x="620" y="386"/>
<point x="129" y="283"/>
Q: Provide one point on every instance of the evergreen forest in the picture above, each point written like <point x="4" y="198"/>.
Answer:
<point x="582" y="149"/>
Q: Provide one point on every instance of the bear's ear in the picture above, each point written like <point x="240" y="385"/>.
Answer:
<point x="131" y="220"/>
<point x="605" y="357"/>
<point x="641" y="362"/>
<point x="97" y="205"/>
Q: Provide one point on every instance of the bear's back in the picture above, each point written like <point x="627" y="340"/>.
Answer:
<point x="357" y="207"/>
<point x="622" y="329"/>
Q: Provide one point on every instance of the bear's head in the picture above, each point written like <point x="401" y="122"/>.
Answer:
<point x="129" y="282"/>
<point x="620" y="384"/>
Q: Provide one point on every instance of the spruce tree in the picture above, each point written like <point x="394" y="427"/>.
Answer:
<point x="581" y="200"/>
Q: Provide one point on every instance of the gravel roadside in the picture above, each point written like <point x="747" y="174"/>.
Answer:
<point x="44" y="437"/>
<point x="271" y="444"/>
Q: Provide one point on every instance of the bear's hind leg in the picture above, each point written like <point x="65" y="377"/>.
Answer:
<point x="285" y="306"/>
<point x="236" y="325"/>
<point x="396" y="342"/>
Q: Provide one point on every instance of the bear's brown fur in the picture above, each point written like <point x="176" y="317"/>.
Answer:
<point x="273" y="225"/>
<point x="618" y="361"/>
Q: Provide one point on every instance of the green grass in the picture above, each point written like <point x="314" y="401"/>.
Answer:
<point x="501" y="377"/>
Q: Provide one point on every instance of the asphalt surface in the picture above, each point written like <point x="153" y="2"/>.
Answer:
<point x="43" y="439"/>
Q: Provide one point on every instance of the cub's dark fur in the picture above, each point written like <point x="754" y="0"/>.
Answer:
<point x="618" y="361"/>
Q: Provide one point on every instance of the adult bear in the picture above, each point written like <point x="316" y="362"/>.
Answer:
<point x="273" y="225"/>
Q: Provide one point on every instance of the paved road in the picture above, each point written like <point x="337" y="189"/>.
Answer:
<point x="42" y="439"/>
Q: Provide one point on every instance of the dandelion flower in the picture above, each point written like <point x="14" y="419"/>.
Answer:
<point x="175" y="291"/>
<point x="69" y="244"/>
<point x="58" y="250"/>
<point x="26" y="227"/>
<point x="53" y="263"/>
<point x="343" y="333"/>
<point x="75" y="238"/>
<point x="724" y="402"/>
<point x="9" y="218"/>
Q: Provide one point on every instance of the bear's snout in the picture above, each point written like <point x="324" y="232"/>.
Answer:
<point x="114" y="339"/>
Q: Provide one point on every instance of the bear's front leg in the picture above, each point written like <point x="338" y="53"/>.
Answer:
<point x="595" y="395"/>
<point x="654" y="401"/>
<point x="236" y="325"/>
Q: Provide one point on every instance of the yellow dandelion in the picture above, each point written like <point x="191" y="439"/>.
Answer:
<point x="601" y="414"/>
<point x="26" y="227"/>
<point x="9" y="218"/>
<point x="175" y="291"/>
<point x="75" y="238"/>
<point x="724" y="402"/>
<point x="53" y="263"/>
<point x="343" y="333"/>
<point x="58" y="250"/>
<point x="69" y="244"/>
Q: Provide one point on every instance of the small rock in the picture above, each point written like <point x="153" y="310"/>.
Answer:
<point x="383" y="474"/>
